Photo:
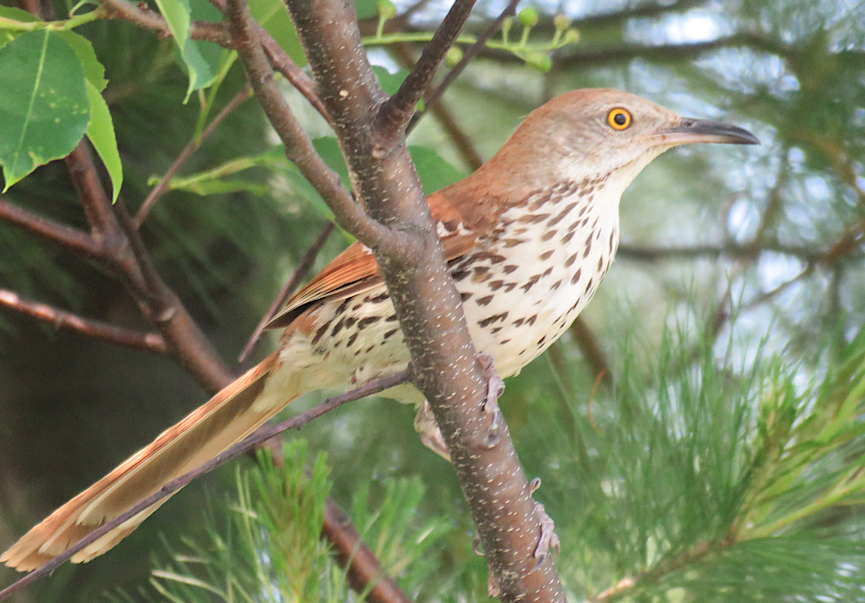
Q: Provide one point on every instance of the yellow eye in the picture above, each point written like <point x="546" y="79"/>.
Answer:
<point x="619" y="119"/>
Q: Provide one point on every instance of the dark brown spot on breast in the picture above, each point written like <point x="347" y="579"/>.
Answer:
<point x="459" y="275"/>
<point x="493" y="258"/>
<point x="588" y="246"/>
<point x="589" y="285"/>
<point x="512" y="242"/>
<point x="549" y="235"/>
<point x="496" y="285"/>
<point x="567" y="238"/>
<point x="570" y="261"/>
<point x="575" y="279"/>
<point x="547" y="254"/>
<point x="531" y="283"/>
<point x="365" y="322"/>
<point x="555" y="285"/>
<point x="509" y="287"/>
<point x="547" y="272"/>
<point x="531" y="319"/>
<point x="465" y="296"/>
<point x="518" y="322"/>
<point x="338" y="327"/>
<point x="391" y="318"/>
<point x="509" y="268"/>
<point x="561" y="215"/>
<point x="533" y="218"/>
<point x="389" y="334"/>
<point x="352" y="339"/>
<point x="485" y="300"/>
<point x="490" y="320"/>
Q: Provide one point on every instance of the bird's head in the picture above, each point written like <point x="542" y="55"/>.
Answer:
<point x="598" y="131"/>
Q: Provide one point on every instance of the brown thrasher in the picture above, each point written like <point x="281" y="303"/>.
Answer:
<point x="528" y="238"/>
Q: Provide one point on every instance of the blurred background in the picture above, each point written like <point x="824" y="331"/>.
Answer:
<point x="665" y="424"/>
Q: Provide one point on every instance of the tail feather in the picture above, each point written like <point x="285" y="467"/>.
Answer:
<point x="229" y="417"/>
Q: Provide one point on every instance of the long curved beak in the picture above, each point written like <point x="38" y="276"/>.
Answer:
<point x="691" y="130"/>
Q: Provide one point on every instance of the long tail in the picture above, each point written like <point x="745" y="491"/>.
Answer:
<point x="226" y="419"/>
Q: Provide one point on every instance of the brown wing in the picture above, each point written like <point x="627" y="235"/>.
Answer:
<point x="355" y="271"/>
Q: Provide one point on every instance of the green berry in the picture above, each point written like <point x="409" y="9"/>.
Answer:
<point x="572" y="36"/>
<point x="386" y="9"/>
<point x="454" y="56"/>
<point x="528" y="17"/>
<point x="561" y="22"/>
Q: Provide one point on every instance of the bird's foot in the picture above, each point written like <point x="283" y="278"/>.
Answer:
<point x="548" y="538"/>
<point x="430" y="434"/>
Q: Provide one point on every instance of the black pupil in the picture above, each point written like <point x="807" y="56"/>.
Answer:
<point x="620" y="118"/>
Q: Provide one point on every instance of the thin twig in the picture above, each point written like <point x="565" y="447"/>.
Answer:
<point x="61" y="319"/>
<point x="186" y="153"/>
<point x="588" y="343"/>
<point x="470" y="53"/>
<point x="261" y="435"/>
<point x="288" y="288"/>
<point x="396" y="114"/>
<point x="147" y="19"/>
<point x="60" y="234"/>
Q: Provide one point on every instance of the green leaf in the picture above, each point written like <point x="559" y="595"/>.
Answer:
<point x="435" y="173"/>
<point x="100" y="131"/>
<point x="390" y="82"/>
<point x="93" y="69"/>
<point x="366" y="8"/>
<point x="15" y="14"/>
<point x="274" y="18"/>
<point x="177" y="15"/>
<point x="44" y="109"/>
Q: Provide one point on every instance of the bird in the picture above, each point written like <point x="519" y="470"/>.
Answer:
<point x="528" y="237"/>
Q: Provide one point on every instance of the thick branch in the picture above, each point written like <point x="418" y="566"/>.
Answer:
<point x="443" y="357"/>
<point x="61" y="319"/>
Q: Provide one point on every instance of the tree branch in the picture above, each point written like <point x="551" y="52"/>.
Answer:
<point x="444" y="360"/>
<point x="298" y="147"/>
<point x="186" y="153"/>
<point x="468" y="55"/>
<point x="396" y="113"/>
<point x="288" y="288"/>
<point x="71" y="238"/>
<point x="260" y="436"/>
<point x="61" y="319"/>
<point x="147" y="19"/>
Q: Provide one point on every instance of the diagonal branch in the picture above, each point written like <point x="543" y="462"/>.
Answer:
<point x="186" y="153"/>
<point x="61" y="319"/>
<point x="445" y="363"/>
<point x="298" y="146"/>
<point x="394" y="115"/>
<point x="470" y="53"/>
<point x="259" y="437"/>
<point x="288" y="288"/>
